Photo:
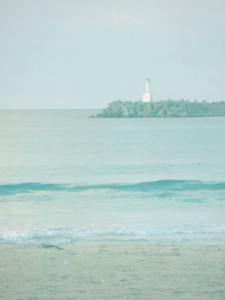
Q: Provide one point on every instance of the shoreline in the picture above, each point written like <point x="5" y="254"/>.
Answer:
<point x="92" y="270"/>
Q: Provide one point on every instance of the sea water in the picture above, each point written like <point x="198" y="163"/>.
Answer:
<point x="67" y="178"/>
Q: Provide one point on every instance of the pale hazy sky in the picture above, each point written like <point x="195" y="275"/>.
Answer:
<point x="86" y="53"/>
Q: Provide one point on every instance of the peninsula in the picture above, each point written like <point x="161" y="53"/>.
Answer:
<point x="164" y="108"/>
<point x="147" y="108"/>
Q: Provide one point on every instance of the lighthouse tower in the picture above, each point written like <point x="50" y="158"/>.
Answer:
<point x="147" y="96"/>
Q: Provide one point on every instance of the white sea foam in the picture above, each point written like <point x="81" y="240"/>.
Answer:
<point x="175" y="234"/>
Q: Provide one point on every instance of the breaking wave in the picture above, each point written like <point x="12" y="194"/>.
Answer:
<point x="176" y="234"/>
<point x="151" y="186"/>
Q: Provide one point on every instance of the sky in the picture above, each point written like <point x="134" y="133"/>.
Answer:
<point x="86" y="53"/>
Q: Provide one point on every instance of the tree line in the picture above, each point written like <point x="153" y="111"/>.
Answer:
<point x="164" y="108"/>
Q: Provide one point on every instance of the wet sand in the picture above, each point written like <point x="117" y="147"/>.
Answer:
<point x="112" y="271"/>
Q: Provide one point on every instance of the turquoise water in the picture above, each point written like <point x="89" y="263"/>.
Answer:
<point x="65" y="178"/>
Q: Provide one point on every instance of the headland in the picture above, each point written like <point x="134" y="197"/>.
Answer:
<point x="162" y="109"/>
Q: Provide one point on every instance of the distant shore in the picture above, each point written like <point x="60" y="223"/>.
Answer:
<point x="87" y="271"/>
<point x="162" y="109"/>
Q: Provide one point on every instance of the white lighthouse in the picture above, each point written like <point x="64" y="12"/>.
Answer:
<point x="147" y="96"/>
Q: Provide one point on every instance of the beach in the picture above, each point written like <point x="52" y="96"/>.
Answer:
<point x="112" y="271"/>
<point x="94" y="208"/>
<point x="112" y="150"/>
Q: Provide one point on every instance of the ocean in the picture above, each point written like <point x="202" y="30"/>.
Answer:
<point x="67" y="178"/>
